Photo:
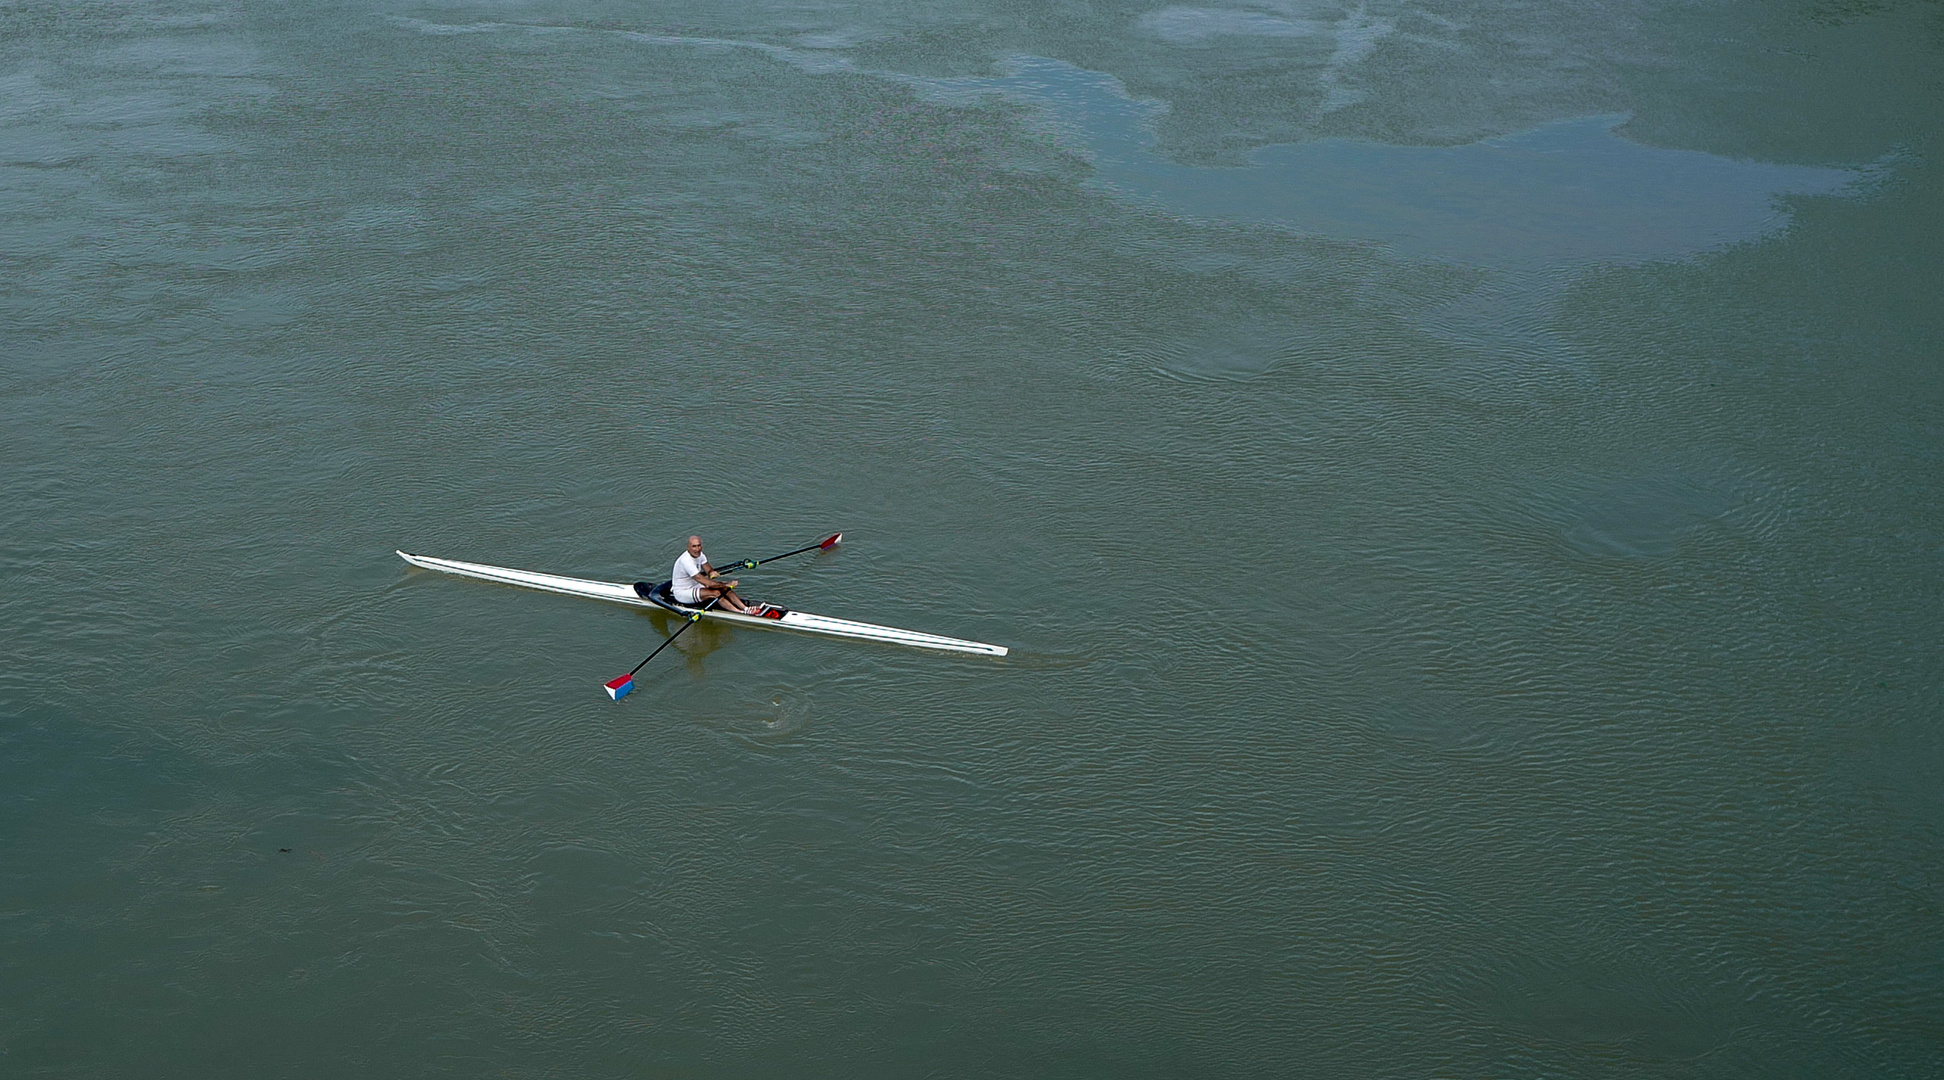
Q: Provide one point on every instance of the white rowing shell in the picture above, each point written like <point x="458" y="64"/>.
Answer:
<point x="625" y="594"/>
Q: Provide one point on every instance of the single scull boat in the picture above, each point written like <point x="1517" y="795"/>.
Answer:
<point x="642" y="594"/>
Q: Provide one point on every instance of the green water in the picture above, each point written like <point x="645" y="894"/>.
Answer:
<point x="1459" y="481"/>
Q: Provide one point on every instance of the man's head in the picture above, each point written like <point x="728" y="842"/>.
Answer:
<point x="695" y="545"/>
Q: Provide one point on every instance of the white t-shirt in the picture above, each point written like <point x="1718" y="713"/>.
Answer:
<point x="687" y="580"/>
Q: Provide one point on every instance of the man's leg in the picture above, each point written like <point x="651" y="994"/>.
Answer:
<point x="729" y="599"/>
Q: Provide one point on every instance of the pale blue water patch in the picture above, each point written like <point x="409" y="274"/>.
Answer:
<point x="1571" y="191"/>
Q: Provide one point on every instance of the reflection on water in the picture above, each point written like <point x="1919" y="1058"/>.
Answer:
<point x="1572" y="191"/>
<point x="1352" y="33"/>
<point x="1654" y="509"/>
<point x="1647" y="517"/>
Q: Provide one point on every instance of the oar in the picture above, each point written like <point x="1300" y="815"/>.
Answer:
<point x="618" y="688"/>
<point x="821" y="545"/>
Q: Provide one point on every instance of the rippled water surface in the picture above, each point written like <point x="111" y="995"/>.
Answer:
<point x="1459" y="483"/>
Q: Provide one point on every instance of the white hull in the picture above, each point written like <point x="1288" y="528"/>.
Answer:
<point x="617" y="593"/>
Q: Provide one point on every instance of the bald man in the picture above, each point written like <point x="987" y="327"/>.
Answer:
<point x="694" y="581"/>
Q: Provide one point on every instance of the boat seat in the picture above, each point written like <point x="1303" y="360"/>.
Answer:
<point x="659" y="594"/>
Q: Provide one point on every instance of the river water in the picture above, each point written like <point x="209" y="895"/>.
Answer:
<point x="1460" y="481"/>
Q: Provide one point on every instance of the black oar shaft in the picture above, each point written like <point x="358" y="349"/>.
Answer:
<point x="751" y="564"/>
<point x="693" y="618"/>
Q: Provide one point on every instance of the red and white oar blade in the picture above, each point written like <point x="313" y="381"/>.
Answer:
<point x="618" y="688"/>
<point x="830" y="543"/>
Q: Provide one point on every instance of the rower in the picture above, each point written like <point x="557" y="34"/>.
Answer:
<point x="695" y="581"/>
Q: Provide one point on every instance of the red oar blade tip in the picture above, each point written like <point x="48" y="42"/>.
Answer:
<point x="618" y="688"/>
<point x="831" y="543"/>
